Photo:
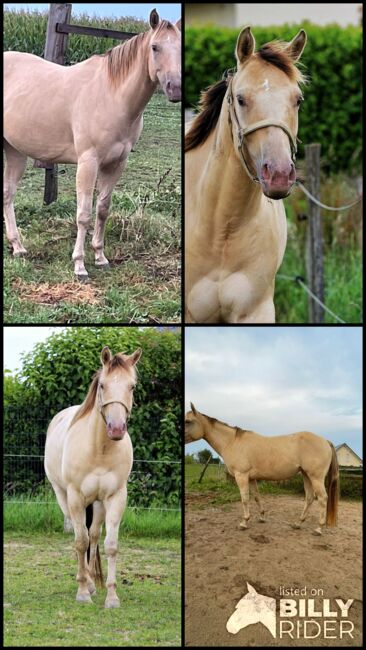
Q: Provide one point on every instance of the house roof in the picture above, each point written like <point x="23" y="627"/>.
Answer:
<point x="344" y="444"/>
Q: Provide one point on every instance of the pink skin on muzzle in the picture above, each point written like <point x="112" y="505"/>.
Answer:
<point x="116" y="430"/>
<point x="277" y="178"/>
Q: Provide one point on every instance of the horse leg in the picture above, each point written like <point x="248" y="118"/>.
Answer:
<point x="309" y="498"/>
<point x="86" y="176"/>
<point x="94" y="534"/>
<point x="257" y="500"/>
<point x="243" y="484"/>
<point x="14" y="169"/>
<point x="107" y="179"/>
<point x="321" y="493"/>
<point x="78" y="517"/>
<point x="114" y="507"/>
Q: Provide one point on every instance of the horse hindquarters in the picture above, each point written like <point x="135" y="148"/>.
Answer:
<point x="14" y="170"/>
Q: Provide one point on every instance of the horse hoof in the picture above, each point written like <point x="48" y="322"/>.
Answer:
<point x="243" y="526"/>
<point x="82" y="278"/>
<point x="20" y="253"/>
<point x="262" y="520"/>
<point x="112" y="603"/>
<point x="296" y="526"/>
<point x="83" y="598"/>
<point x="103" y="267"/>
<point x="317" y="531"/>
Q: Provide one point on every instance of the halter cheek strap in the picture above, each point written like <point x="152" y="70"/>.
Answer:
<point x="102" y="404"/>
<point x="261" y="124"/>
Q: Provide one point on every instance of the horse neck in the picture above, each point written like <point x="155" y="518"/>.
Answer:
<point x="131" y="94"/>
<point x="229" y="198"/>
<point x="218" y="435"/>
<point x="97" y="428"/>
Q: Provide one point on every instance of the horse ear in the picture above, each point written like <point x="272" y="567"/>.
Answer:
<point x="193" y="409"/>
<point x="178" y="24"/>
<point x="251" y="589"/>
<point x="296" y="47"/>
<point x="106" y="355"/>
<point x="154" y="19"/>
<point x="245" y="46"/>
<point x="134" y="358"/>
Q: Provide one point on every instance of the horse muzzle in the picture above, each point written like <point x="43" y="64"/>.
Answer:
<point x="277" y="183"/>
<point x="116" y="431"/>
<point x="173" y="90"/>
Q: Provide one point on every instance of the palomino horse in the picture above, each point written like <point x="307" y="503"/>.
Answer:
<point x="239" y="164"/>
<point x="89" y="114"/>
<point x="249" y="456"/>
<point x="88" y="459"/>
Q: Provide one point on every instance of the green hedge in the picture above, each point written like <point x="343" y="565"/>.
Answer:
<point x="57" y="374"/>
<point x="331" y="113"/>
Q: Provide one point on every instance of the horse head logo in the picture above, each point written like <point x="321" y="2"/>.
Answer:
<point x="253" y="608"/>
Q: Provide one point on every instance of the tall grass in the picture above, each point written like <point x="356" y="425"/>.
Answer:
<point x="22" y="515"/>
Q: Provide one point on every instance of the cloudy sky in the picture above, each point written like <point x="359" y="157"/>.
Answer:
<point x="278" y="380"/>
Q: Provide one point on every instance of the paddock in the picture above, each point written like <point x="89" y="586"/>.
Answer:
<point x="220" y="559"/>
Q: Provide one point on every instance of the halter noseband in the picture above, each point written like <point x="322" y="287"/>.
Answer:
<point x="262" y="124"/>
<point x="102" y="404"/>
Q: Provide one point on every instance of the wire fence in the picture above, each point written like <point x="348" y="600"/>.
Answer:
<point x="33" y="464"/>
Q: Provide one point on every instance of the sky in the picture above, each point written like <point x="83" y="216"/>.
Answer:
<point x="169" y="11"/>
<point x="22" y="339"/>
<point x="277" y="380"/>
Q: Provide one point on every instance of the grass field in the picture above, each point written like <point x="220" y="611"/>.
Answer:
<point x="220" y="490"/>
<point x="142" y="240"/>
<point x="40" y="582"/>
<point x="40" y="590"/>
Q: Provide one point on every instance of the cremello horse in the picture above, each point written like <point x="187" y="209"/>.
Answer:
<point x="239" y="163"/>
<point x="249" y="456"/>
<point x="88" y="459"/>
<point x="89" y="114"/>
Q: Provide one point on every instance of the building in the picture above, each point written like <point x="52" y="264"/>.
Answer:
<point x="347" y="457"/>
<point x="238" y="14"/>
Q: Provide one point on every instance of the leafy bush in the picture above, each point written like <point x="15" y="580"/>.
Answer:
<point x="58" y="372"/>
<point x="331" y="113"/>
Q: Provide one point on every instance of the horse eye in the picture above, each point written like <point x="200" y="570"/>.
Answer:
<point x="155" y="48"/>
<point x="102" y="386"/>
<point x="241" y="100"/>
<point x="299" y="100"/>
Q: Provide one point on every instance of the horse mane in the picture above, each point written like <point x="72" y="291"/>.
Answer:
<point x="88" y="404"/>
<point x="209" y="111"/>
<point x="122" y="57"/>
<point x="212" y="97"/>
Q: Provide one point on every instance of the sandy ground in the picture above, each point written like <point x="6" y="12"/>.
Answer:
<point x="220" y="559"/>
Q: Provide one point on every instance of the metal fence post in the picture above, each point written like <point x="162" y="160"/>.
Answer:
<point x="314" y="248"/>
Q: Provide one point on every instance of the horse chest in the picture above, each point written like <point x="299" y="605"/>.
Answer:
<point x="228" y="297"/>
<point x="99" y="484"/>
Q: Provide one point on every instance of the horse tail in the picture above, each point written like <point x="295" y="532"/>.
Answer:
<point x="98" y="564"/>
<point x="333" y="489"/>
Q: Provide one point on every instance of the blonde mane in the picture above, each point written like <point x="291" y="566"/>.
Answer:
<point x="123" y="57"/>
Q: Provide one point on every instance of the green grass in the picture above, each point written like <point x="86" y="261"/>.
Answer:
<point x="142" y="240"/>
<point x="342" y="257"/>
<point x="40" y="590"/>
<point x="20" y="515"/>
<point x="221" y="491"/>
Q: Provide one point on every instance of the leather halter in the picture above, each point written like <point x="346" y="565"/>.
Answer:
<point x="261" y="124"/>
<point x="102" y="404"/>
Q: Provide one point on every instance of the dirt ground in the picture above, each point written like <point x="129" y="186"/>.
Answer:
<point x="220" y="559"/>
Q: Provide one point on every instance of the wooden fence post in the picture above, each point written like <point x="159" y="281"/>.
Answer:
<point x="55" y="48"/>
<point x="314" y="248"/>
